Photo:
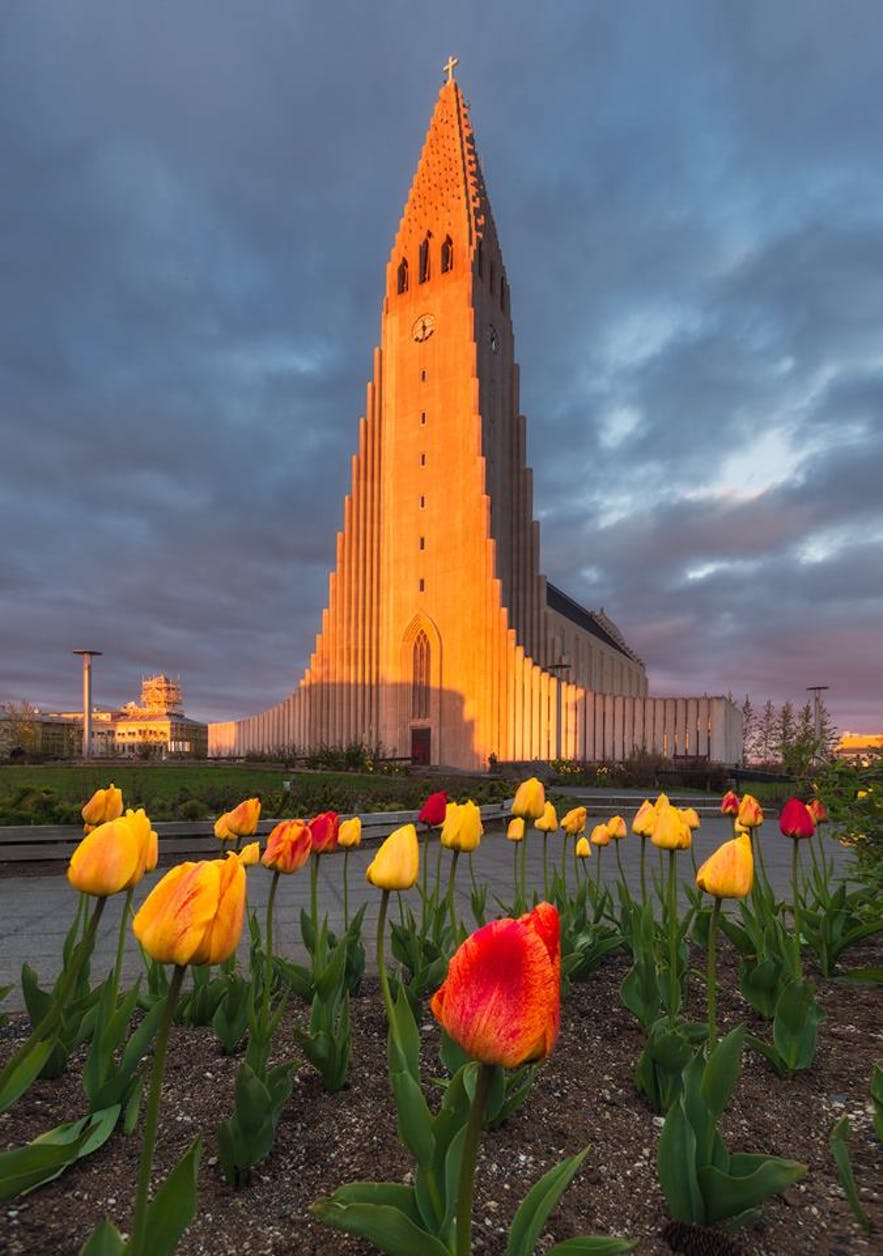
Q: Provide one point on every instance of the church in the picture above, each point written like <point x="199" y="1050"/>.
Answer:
<point x="442" y="641"/>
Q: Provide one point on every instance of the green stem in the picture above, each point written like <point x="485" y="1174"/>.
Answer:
<point x="643" y="876"/>
<point x="268" y="972"/>
<point x="314" y="897"/>
<point x="346" y="896"/>
<point x="600" y="850"/>
<point x="466" y="1188"/>
<point x="121" y="943"/>
<point x="758" y="848"/>
<point x="472" y="875"/>
<point x="710" y="977"/>
<point x="515" y="846"/>
<point x="438" y="867"/>
<point x="381" y="963"/>
<point x="401" y="909"/>
<point x="564" y="837"/>
<point x="693" y="857"/>
<point x="451" y="908"/>
<point x="523" y="845"/>
<point x="575" y="864"/>
<point x="796" y="909"/>
<point x="545" y="866"/>
<point x="139" y="1222"/>
<point x="68" y="981"/>
<point x="672" y="936"/>
<point x="619" y="862"/>
<point x="424" y="883"/>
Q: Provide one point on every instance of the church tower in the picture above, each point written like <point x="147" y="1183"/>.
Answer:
<point x="442" y="641"/>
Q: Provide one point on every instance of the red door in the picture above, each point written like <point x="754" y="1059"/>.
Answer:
<point x="420" y="746"/>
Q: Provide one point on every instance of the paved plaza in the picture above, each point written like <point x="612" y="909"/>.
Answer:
<point x="36" y="911"/>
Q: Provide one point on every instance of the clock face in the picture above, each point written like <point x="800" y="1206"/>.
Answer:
<point x="423" y="328"/>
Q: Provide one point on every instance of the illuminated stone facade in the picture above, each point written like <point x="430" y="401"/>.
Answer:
<point x="442" y="640"/>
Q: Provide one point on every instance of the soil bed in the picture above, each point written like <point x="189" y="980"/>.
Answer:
<point x="583" y="1095"/>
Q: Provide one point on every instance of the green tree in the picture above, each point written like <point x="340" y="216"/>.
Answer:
<point x="766" y="733"/>
<point x="749" y="732"/>
<point x="21" y="727"/>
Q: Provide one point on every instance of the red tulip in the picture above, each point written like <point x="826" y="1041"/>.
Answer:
<point x="323" y="831"/>
<point x="433" y="810"/>
<point x="730" y="804"/>
<point x="501" y="999"/>
<point x="795" y="820"/>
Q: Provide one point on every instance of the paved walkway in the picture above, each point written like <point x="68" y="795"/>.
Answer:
<point x="35" y="912"/>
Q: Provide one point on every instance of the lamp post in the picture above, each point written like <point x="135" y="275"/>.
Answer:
<point x="88" y="656"/>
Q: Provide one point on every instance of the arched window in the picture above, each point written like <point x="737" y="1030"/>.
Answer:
<point x="447" y="255"/>
<point x="403" y="276"/>
<point x="424" y="258"/>
<point x="420" y="678"/>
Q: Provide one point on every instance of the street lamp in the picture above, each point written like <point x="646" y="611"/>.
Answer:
<point x="88" y="656"/>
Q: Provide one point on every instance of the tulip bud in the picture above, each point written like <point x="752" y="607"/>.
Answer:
<point x="729" y="872"/>
<point x="433" y="810"/>
<point x="194" y="914"/>
<point x="324" y="829"/>
<point x="530" y="799"/>
<point x="350" y="833"/>
<point x="397" y="863"/>
<point x="288" y="846"/>
<point x="114" y="856"/>
<point x="583" y="849"/>
<point x="250" y="854"/>
<point x="240" y="822"/>
<point x="574" y="822"/>
<point x="515" y="831"/>
<point x="750" y="812"/>
<point x="691" y="818"/>
<point x="645" y="818"/>
<point x="548" y="821"/>
<point x="818" y="811"/>
<point x="599" y="835"/>
<point x="730" y="804"/>
<point x="104" y="805"/>
<point x="795" y="820"/>
<point x="671" y="832"/>
<point x="616" y="827"/>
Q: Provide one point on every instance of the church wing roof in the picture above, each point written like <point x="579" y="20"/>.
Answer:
<point x="595" y="622"/>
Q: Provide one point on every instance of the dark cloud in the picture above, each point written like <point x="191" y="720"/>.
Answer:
<point x="195" y="212"/>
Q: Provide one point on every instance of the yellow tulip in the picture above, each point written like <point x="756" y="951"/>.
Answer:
<point x="194" y="914"/>
<point x="645" y="818"/>
<point x="104" y="805"/>
<point x="691" y="816"/>
<point x="616" y="827"/>
<point x="462" y="828"/>
<point x="515" y="831"/>
<point x="599" y="835"/>
<point x="574" y="822"/>
<point x="548" y="821"/>
<point x="750" y="812"/>
<point x="350" y="833"/>
<point x="240" y="822"/>
<point x="530" y="799"/>
<point x="583" y="849"/>
<point x="396" y="864"/>
<point x="728" y="873"/>
<point x="250" y="854"/>
<point x="671" y="832"/>
<point x="114" y="856"/>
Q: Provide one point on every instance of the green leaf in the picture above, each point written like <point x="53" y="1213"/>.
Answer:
<point x="840" y="1151"/>
<point x="390" y="1194"/>
<point x="105" y="1240"/>
<point x="415" y="1119"/>
<point x="794" y="1024"/>
<point x="877" y="1099"/>
<point x="386" y="1227"/>
<point x="24" y="1073"/>
<point x="722" y="1070"/>
<point x="592" y="1245"/>
<point x="676" y="1162"/>
<point x="861" y="977"/>
<point x="539" y="1201"/>
<point x="769" y="1053"/>
<point x="174" y="1205"/>
<point x="727" y="1194"/>
<point x="25" y="1168"/>
<point x="407" y="1034"/>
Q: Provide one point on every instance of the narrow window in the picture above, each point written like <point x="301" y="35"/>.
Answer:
<point x="424" y="258"/>
<point x="420" y="676"/>
<point x="423" y="419"/>
<point x="403" y="276"/>
<point x="422" y="503"/>
<point x="423" y="542"/>
<point x="422" y="377"/>
<point x="420" y="585"/>
<point x="447" y="255"/>
<point x="423" y="460"/>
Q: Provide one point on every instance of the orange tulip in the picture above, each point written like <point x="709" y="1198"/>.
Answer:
<point x="645" y="818"/>
<point x="750" y="812"/>
<point x="818" y="811"/>
<point x="114" y="856"/>
<point x="104" y="805"/>
<point x="583" y="849"/>
<point x="324" y="829"/>
<point x="548" y="821"/>
<point x="574" y="822"/>
<point x="501" y="1000"/>
<point x="729" y="872"/>
<point x="599" y="835"/>
<point x="194" y="914"/>
<point x="396" y="864"/>
<point x="530" y="799"/>
<point x="350" y="833"/>
<point x="288" y="846"/>
<point x="240" y="822"/>
<point x="515" y="831"/>
<point x="616" y="827"/>
<point x="730" y="804"/>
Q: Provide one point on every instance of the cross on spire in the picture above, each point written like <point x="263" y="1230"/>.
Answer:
<point x="449" y="65"/>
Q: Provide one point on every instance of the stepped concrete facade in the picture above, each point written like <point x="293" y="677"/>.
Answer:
<point x="442" y="641"/>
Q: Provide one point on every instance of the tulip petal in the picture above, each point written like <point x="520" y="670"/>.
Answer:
<point x="173" y="919"/>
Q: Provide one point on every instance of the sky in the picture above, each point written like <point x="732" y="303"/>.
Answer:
<point x="197" y="203"/>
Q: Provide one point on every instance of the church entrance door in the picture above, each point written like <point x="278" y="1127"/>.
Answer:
<point x="421" y="740"/>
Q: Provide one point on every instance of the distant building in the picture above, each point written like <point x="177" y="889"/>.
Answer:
<point x="860" y="748"/>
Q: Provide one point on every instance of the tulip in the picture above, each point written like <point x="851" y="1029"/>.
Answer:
<point x="349" y="835"/>
<point x="574" y="823"/>
<point x="114" y="856"/>
<point x="730" y="803"/>
<point x="288" y="846"/>
<point x="795" y="820"/>
<point x="501" y="1003"/>
<point x="530" y="799"/>
<point x="249" y="855"/>
<point x="462" y="828"/>
<point x="515" y="831"/>
<point x="672" y="833"/>
<point x="583" y="849"/>
<point x="728" y="873"/>
<point x="750" y="813"/>
<point x="324" y="830"/>
<point x="515" y="834"/>
<point x="432" y="813"/>
<point x="818" y="811"/>
<point x="104" y="805"/>
<point x="194" y="914"/>
<point x="599" y="835"/>
<point x="616" y="827"/>
<point x="241" y="822"/>
<point x="396" y="864"/>
<point x="691" y="818"/>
